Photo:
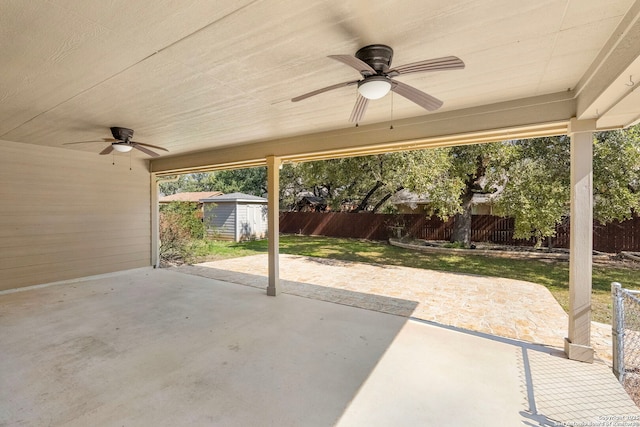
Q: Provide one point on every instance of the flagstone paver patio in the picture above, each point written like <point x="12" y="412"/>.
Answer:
<point x="497" y="306"/>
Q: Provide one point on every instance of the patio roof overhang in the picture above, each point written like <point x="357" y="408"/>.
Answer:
<point x="212" y="82"/>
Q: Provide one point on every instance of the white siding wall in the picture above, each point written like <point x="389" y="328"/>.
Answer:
<point x="67" y="214"/>
<point x="244" y="230"/>
<point x="221" y="219"/>
<point x="253" y="223"/>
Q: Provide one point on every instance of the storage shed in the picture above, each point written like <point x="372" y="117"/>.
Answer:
<point x="236" y="216"/>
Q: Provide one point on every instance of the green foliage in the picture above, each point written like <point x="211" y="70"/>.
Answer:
<point x="360" y="183"/>
<point x="537" y="190"/>
<point x="180" y="225"/>
<point x="616" y="174"/>
<point x="210" y="250"/>
<point x="352" y="183"/>
<point x="536" y="193"/>
<point x="185" y="216"/>
<point x="249" y="181"/>
<point x="433" y="175"/>
<point x="456" y="173"/>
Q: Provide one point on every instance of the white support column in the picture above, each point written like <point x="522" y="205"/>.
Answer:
<point x="578" y="344"/>
<point x="155" y="222"/>
<point x="273" y="221"/>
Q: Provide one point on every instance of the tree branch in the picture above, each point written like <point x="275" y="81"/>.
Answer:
<point x="365" y="200"/>
<point x="385" y="198"/>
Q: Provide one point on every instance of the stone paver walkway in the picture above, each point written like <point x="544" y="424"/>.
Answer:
<point x="497" y="306"/>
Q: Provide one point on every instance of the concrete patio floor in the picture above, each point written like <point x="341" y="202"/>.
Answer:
<point x="159" y="347"/>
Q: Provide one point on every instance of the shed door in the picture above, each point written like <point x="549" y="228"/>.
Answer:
<point x="254" y="218"/>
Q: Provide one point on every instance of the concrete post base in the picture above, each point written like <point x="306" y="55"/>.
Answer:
<point x="581" y="353"/>
<point x="272" y="291"/>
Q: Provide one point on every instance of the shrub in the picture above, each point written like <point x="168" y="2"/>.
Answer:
<point x="180" y="225"/>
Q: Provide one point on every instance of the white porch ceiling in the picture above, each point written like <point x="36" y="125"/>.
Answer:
<point x="201" y="75"/>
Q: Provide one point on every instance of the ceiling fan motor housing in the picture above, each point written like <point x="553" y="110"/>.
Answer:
<point x="122" y="134"/>
<point x="377" y="56"/>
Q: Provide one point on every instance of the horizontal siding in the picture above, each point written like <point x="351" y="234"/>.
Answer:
<point x="50" y="255"/>
<point x="13" y="227"/>
<point x="23" y="245"/>
<point x="263" y="220"/>
<point x="55" y="204"/>
<point x="13" y="243"/>
<point x="242" y="214"/>
<point x="222" y="217"/>
<point x="67" y="214"/>
<point x="28" y="276"/>
<point x="243" y="224"/>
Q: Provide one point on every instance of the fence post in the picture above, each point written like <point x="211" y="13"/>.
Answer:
<point x="617" y="331"/>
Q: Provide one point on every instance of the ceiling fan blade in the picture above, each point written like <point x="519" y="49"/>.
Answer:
<point x="107" y="150"/>
<point x="424" y="100"/>
<point x="353" y="62"/>
<point x="149" y="145"/>
<point x="79" y="142"/>
<point x="144" y="150"/>
<point x="436" y="64"/>
<point x="359" y="109"/>
<point x="325" y="89"/>
<point x="96" y="140"/>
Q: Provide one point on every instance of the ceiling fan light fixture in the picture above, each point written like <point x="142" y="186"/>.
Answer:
<point x="122" y="148"/>
<point x="374" y="87"/>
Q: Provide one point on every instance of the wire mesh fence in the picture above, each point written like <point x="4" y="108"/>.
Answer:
<point x="626" y="339"/>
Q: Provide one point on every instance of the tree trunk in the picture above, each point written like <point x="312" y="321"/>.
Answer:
<point x="549" y="243"/>
<point x="461" y="232"/>
<point x="539" y="238"/>
<point x="462" y="222"/>
<point x="365" y="201"/>
<point x="385" y="198"/>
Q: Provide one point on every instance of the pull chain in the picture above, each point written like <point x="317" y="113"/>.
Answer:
<point x="391" y="127"/>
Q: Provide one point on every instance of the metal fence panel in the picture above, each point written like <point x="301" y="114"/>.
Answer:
<point x="626" y="339"/>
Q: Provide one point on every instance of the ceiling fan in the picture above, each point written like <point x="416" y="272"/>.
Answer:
<point x="373" y="62"/>
<point x="122" y="143"/>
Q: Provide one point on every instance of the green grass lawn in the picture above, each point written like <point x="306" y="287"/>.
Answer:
<point x="554" y="275"/>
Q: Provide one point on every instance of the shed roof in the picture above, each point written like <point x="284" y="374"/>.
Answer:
<point x="189" y="196"/>
<point x="236" y="197"/>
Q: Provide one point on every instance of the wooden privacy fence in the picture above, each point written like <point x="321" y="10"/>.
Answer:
<point x="613" y="237"/>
